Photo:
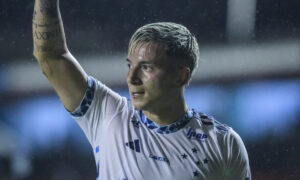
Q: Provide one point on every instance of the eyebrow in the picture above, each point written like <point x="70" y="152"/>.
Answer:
<point x="141" y="62"/>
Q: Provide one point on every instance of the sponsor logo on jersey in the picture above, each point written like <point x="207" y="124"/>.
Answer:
<point x="196" y="136"/>
<point x="134" y="145"/>
<point x="157" y="158"/>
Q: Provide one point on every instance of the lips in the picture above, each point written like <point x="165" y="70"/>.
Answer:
<point x="137" y="94"/>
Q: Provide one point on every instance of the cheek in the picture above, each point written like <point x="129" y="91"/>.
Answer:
<point x="146" y="76"/>
<point x="158" y="81"/>
<point x="157" y="84"/>
<point x="151" y="84"/>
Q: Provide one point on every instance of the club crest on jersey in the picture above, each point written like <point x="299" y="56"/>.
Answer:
<point x="196" y="136"/>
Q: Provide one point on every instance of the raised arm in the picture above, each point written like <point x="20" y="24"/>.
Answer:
<point x="61" y="69"/>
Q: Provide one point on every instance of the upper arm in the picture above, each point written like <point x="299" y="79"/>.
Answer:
<point x="98" y="108"/>
<point x="237" y="163"/>
<point x="67" y="78"/>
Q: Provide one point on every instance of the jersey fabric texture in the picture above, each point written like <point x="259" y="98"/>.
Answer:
<point x="129" y="146"/>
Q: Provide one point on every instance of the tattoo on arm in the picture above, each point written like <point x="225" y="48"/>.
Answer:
<point x="46" y="35"/>
<point x="36" y="25"/>
<point x="48" y="7"/>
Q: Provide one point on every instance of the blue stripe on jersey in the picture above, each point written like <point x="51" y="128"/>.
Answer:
<point x="87" y="100"/>
<point x="137" y="145"/>
<point x="98" y="163"/>
<point x="97" y="149"/>
<point x="169" y="128"/>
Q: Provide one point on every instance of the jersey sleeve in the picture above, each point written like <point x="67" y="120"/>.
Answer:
<point x="97" y="108"/>
<point x="237" y="163"/>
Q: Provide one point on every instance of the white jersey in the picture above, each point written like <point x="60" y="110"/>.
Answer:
<point x="129" y="146"/>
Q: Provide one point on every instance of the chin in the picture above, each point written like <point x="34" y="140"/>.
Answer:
<point x="137" y="105"/>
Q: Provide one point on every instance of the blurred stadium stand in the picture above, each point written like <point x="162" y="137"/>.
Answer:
<point x="248" y="77"/>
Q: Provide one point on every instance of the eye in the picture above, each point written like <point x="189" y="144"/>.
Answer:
<point x="146" y="67"/>
<point x="129" y="66"/>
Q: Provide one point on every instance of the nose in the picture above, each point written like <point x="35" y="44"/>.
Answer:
<point x="133" y="76"/>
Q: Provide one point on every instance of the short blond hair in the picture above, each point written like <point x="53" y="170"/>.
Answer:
<point x="179" y="41"/>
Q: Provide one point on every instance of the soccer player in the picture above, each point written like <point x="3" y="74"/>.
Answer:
<point x="155" y="135"/>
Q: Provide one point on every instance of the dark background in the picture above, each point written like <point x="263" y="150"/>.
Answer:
<point x="105" y="26"/>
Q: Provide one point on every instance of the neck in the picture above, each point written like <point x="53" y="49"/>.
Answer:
<point x="169" y="113"/>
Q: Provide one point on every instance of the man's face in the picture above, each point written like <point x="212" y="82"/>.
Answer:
<point x="151" y="83"/>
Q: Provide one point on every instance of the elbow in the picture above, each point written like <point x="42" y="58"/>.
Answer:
<point x="37" y="56"/>
<point x="50" y="62"/>
<point x="44" y="60"/>
<point x="45" y="65"/>
<point x="44" y="52"/>
<point x="41" y="56"/>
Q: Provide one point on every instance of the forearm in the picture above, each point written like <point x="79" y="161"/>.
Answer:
<point x="61" y="69"/>
<point x="48" y="34"/>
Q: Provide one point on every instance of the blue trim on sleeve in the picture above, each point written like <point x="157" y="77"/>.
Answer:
<point x="87" y="100"/>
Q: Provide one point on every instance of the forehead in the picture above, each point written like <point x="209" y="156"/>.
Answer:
<point x="149" y="51"/>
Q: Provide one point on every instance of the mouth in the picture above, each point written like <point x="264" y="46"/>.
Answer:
<point x="137" y="94"/>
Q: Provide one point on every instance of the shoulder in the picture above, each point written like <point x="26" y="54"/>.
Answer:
<point x="87" y="99"/>
<point x="210" y="123"/>
<point x="228" y="135"/>
<point x="99" y="96"/>
<point x="223" y="134"/>
<point x="231" y="146"/>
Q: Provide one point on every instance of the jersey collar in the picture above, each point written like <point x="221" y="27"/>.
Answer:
<point x="171" y="128"/>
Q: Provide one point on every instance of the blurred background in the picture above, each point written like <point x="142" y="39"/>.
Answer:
<point x="248" y="77"/>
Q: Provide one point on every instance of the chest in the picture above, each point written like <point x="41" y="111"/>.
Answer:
<point x="131" y="150"/>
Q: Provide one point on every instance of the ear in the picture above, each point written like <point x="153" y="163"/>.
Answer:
<point x="184" y="76"/>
